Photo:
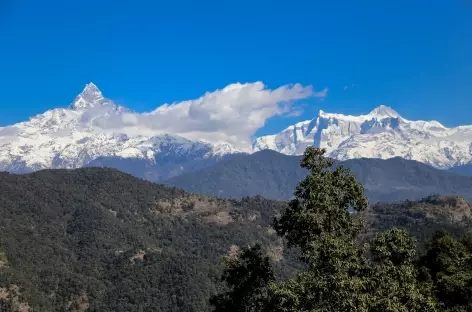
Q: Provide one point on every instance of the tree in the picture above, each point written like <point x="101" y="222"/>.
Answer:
<point x="247" y="276"/>
<point x="318" y="222"/>
<point x="448" y="264"/>
<point x="394" y="278"/>
<point x="321" y="204"/>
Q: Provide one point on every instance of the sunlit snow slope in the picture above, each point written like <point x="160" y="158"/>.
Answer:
<point x="382" y="133"/>
<point x="73" y="137"/>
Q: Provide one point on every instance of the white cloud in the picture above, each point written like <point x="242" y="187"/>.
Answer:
<point x="232" y="114"/>
<point x="321" y="94"/>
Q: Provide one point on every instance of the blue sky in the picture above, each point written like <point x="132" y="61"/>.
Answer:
<point x="415" y="56"/>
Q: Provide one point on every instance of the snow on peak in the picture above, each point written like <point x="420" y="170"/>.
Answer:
<point x="92" y="91"/>
<point x="383" y="111"/>
<point x="88" y="98"/>
<point x="222" y="148"/>
<point x="75" y="137"/>
<point x="382" y="133"/>
<point x="326" y="115"/>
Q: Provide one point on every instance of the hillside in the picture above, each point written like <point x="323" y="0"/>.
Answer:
<point x="163" y="167"/>
<point x="265" y="173"/>
<point x="399" y="179"/>
<point x="423" y="217"/>
<point x="97" y="239"/>
<point x="102" y="239"/>
<point x="274" y="175"/>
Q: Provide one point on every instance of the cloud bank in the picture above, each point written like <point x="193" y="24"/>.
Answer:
<point x="232" y="114"/>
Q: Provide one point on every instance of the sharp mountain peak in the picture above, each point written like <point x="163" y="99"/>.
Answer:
<point x="384" y="111"/>
<point x="89" y="97"/>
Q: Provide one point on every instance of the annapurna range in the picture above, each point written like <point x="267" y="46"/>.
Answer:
<point x="72" y="137"/>
<point x="382" y="133"/>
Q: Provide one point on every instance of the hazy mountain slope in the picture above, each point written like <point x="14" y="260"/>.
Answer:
<point x="275" y="175"/>
<point x="162" y="168"/>
<point x="465" y="170"/>
<point x="104" y="239"/>
<point x="398" y="179"/>
<point x="265" y="173"/>
<point x="382" y="133"/>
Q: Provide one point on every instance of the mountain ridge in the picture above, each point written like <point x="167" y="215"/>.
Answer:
<point x="274" y="175"/>
<point x="382" y="133"/>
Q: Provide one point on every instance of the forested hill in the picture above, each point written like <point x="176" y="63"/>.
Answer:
<point x="103" y="240"/>
<point x="274" y="175"/>
<point x="97" y="239"/>
<point x="423" y="217"/>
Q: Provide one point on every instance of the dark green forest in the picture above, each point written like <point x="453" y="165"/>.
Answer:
<point x="96" y="239"/>
<point x="105" y="240"/>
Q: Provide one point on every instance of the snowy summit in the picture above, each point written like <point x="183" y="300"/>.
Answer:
<point x="382" y="133"/>
<point x="74" y="137"/>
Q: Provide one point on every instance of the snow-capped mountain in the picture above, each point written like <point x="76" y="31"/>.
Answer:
<point x="382" y="133"/>
<point x="69" y="138"/>
<point x="75" y="137"/>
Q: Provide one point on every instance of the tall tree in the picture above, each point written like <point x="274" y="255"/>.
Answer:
<point x="318" y="221"/>
<point x="321" y="204"/>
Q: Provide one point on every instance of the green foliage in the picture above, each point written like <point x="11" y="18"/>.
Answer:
<point x="5" y="306"/>
<point x="321" y="204"/>
<point x="394" y="278"/>
<point x="448" y="263"/>
<point x="423" y="218"/>
<point x="99" y="240"/>
<point x="247" y="277"/>
<point x="319" y="223"/>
